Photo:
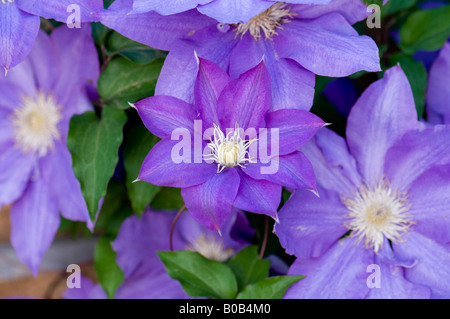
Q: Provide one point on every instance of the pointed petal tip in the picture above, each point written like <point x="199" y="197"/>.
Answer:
<point x="327" y="124"/>
<point x="136" y="180"/>
<point x="132" y="105"/>
<point x="315" y="192"/>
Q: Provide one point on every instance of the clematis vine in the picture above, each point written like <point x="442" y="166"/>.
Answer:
<point x="296" y="41"/>
<point x="38" y="99"/>
<point x="20" y="22"/>
<point x="140" y="238"/>
<point x="438" y="91"/>
<point x="383" y="204"/>
<point x="236" y="151"/>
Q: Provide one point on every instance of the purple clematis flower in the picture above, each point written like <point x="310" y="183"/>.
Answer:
<point x="139" y="239"/>
<point x="383" y="204"/>
<point x="222" y="132"/>
<point x="38" y="99"/>
<point x="20" y="21"/>
<point x="438" y="92"/>
<point x="296" y="41"/>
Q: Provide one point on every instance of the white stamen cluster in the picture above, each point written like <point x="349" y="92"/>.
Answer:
<point x="376" y="213"/>
<point x="211" y="248"/>
<point x="230" y="150"/>
<point x="36" y="124"/>
<point x="266" y="22"/>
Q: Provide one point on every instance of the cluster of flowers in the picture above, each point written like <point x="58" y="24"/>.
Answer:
<point x="237" y="87"/>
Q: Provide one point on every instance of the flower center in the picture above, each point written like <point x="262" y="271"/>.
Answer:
<point x="230" y="150"/>
<point x="211" y="248"/>
<point x="6" y="1"/>
<point x="268" y="22"/>
<point x="36" y="124"/>
<point x="378" y="212"/>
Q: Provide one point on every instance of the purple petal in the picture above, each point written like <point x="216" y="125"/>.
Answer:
<point x="34" y="223"/>
<point x="160" y="169"/>
<point x="438" y="94"/>
<point x="258" y="196"/>
<point x="339" y="273"/>
<point x="393" y="284"/>
<point x="246" y="101"/>
<point x="62" y="185"/>
<point x="163" y="114"/>
<point x="19" y="81"/>
<point x="293" y="171"/>
<point x="381" y="116"/>
<point x="430" y="203"/>
<point x="327" y="46"/>
<point x="211" y="203"/>
<point x="234" y="11"/>
<point x="18" y="31"/>
<point x="88" y="290"/>
<point x="295" y="128"/>
<point x="211" y="80"/>
<point x="166" y="7"/>
<point x="432" y="268"/>
<point x="308" y="225"/>
<point x="417" y="152"/>
<point x="150" y="28"/>
<point x="60" y="10"/>
<point x="334" y="166"/>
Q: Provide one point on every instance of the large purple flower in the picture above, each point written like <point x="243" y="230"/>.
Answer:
<point x="37" y="101"/>
<point x="438" y="92"/>
<point x="384" y="204"/>
<point x="20" y="21"/>
<point x="296" y="42"/>
<point x="222" y="132"/>
<point x="140" y="238"/>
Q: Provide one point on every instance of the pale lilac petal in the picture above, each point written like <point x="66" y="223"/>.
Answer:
<point x="247" y="54"/>
<point x="79" y="69"/>
<point x="18" y="32"/>
<point x="334" y="166"/>
<point x="295" y="128"/>
<point x="62" y="185"/>
<point x="88" y="290"/>
<point x="20" y="81"/>
<point x="339" y="273"/>
<point x="308" y="225"/>
<point x="430" y="203"/>
<point x="327" y="46"/>
<point x="393" y="284"/>
<point x="417" y="152"/>
<point x="432" y="269"/>
<point x="160" y="169"/>
<point x="150" y="28"/>
<point x="293" y="171"/>
<point x="258" y="196"/>
<point x="438" y="94"/>
<point x="166" y="7"/>
<point x="15" y="171"/>
<point x="234" y="11"/>
<point x="164" y="114"/>
<point x="381" y="116"/>
<point x="61" y="10"/>
<point x="211" y="203"/>
<point x="34" y="223"/>
<point x="211" y="80"/>
<point x="245" y="101"/>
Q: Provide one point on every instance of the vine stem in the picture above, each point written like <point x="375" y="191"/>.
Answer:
<point x="172" y="227"/>
<point x="266" y="234"/>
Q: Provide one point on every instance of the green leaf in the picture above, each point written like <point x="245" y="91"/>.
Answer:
<point x="248" y="267"/>
<point x="426" y="30"/>
<point x="418" y="78"/>
<point x="168" y="198"/>
<point x="269" y="288"/>
<point x="108" y="272"/>
<point x="199" y="276"/>
<point x="138" y="142"/>
<point x="131" y="50"/>
<point x="124" y="81"/>
<point x="394" y="6"/>
<point x="377" y="2"/>
<point x="94" y="147"/>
